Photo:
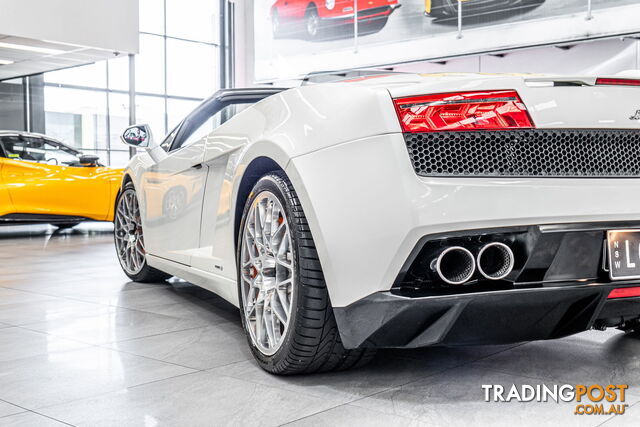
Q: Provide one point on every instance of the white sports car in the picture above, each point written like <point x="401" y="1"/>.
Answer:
<point x="397" y="210"/>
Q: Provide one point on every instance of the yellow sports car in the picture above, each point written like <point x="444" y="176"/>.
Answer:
<point x="43" y="180"/>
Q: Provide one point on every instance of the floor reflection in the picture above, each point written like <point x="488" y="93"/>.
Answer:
<point x="82" y="344"/>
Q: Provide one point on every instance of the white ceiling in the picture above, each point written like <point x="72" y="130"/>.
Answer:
<point x="47" y="56"/>
<point x="45" y="35"/>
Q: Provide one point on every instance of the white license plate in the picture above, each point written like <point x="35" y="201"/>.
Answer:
<point x="624" y="254"/>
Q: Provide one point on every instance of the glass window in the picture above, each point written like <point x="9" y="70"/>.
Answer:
<point x="7" y="143"/>
<point x="12" y="105"/>
<point x="39" y="150"/>
<point x="178" y="109"/>
<point x="182" y="65"/>
<point x="204" y="121"/>
<point x="150" y="65"/>
<point x="118" y="158"/>
<point x="168" y="140"/>
<point x="193" y="19"/>
<point x="151" y="16"/>
<point x="118" y="118"/>
<point x="76" y="117"/>
<point x="190" y="69"/>
<point x="150" y="110"/>
<point x="92" y="75"/>
<point x="119" y="73"/>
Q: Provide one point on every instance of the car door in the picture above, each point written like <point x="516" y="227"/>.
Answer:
<point x="44" y="177"/>
<point x="173" y="189"/>
<point x="210" y="256"/>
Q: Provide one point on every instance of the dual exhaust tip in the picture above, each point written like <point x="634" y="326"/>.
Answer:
<point x="456" y="265"/>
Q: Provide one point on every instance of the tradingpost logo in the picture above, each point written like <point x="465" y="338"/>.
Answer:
<point x="593" y="399"/>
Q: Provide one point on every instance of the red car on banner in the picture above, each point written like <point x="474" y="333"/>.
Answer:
<point x="325" y="18"/>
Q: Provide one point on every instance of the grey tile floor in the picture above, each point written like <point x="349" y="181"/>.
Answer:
<point x="82" y="345"/>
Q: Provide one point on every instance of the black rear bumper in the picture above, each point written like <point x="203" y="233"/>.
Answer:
<point x="500" y="317"/>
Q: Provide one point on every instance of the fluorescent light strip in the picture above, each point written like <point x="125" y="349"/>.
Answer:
<point x="5" y="62"/>
<point x="44" y="50"/>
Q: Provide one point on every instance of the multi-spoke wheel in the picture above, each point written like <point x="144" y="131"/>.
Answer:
<point x="276" y="25"/>
<point x="267" y="272"/>
<point x="312" y="23"/>
<point x="174" y="202"/>
<point x="129" y="239"/>
<point x="284" y="302"/>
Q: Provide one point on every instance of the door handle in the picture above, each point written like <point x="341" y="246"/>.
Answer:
<point x="198" y="166"/>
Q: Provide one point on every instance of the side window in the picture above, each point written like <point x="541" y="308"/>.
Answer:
<point x="13" y="147"/>
<point x="168" y="140"/>
<point x="203" y="122"/>
<point x="57" y="154"/>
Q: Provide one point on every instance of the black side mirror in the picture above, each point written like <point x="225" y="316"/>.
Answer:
<point x="89" y="160"/>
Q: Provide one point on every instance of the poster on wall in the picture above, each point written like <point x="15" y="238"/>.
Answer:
<point x="297" y="37"/>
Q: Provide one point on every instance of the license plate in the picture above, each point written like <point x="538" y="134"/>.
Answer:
<point x="624" y="254"/>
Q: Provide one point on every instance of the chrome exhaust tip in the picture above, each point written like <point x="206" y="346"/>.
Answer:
<point x="495" y="261"/>
<point x="455" y="265"/>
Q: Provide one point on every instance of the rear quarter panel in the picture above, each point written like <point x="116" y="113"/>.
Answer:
<point x="281" y="127"/>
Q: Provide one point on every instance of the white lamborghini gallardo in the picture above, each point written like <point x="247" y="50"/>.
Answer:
<point x="397" y="210"/>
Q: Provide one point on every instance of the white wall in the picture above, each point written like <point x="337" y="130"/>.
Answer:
<point x="101" y="24"/>
<point x="603" y="56"/>
<point x="600" y="57"/>
<point x="244" y="46"/>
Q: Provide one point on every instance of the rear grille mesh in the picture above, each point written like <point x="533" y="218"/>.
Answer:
<point x="526" y="153"/>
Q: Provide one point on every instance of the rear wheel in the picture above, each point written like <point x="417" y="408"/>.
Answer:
<point x="372" y="26"/>
<point x="130" y="240"/>
<point x="284" y="303"/>
<point x="442" y="9"/>
<point x="312" y="23"/>
<point x="276" y="25"/>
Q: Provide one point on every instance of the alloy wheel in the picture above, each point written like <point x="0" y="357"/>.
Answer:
<point x="313" y="23"/>
<point x="267" y="273"/>
<point x="275" y="23"/>
<point x="128" y="233"/>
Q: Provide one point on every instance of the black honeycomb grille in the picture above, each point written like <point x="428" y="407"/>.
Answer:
<point x="526" y="153"/>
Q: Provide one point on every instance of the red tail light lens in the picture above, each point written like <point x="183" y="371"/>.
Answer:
<point x="618" y="82"/>
<point x="625" y="292"/>
<point x="491" y="110"/>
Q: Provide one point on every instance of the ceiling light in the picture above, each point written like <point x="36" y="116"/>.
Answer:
<point x="5" y="62"/>
<point x="44" y="50"/>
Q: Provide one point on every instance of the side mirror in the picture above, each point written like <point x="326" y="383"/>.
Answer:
<point x="89" y="160"/>
<point x="138" y="136"/>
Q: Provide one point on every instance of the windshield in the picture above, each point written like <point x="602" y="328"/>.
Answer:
<point x="38" y="150"/>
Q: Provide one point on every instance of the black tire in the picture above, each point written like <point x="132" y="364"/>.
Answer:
<point x="373" y="26"/>
<point x="276" y="25"/>
<point x="631" y="328"/>
<point x="65" y="226"/>
<point x="146" y="274"/>
<point x="309" y="16"/>
<point x="312" y="341"/>
<point x="441" y="9"/>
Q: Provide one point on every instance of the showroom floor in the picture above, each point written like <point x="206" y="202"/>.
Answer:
<point x="81" y="345"/>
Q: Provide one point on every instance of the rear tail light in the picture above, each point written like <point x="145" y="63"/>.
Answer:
<point x="617" y="82"/>
<point x="625" y="292"/>
<point x="490" y="110"/>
